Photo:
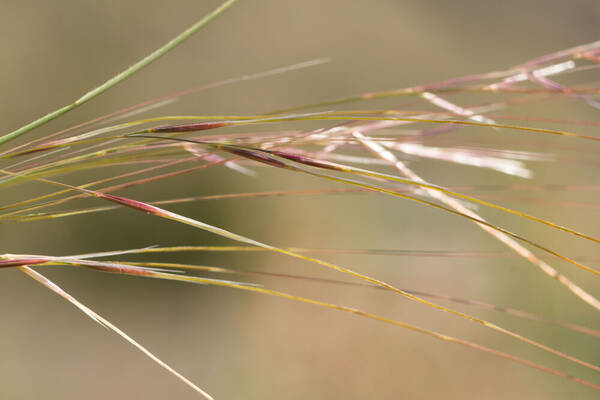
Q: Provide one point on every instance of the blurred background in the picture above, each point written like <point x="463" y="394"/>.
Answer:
<point x="239" y="345"/>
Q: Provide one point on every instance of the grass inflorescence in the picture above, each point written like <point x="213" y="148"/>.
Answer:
<point x="360" y="151"/>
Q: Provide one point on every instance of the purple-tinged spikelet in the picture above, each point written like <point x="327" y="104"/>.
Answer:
<point x="138" y="205"/>
<point x="253" y="155"/>
<point x="201" y="126"/>
<point x="308" y="161"/>
<point x="21" y="262"/>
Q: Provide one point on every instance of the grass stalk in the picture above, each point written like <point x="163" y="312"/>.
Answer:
<point x="107" y="324"/>
<point x="144" y="62"/>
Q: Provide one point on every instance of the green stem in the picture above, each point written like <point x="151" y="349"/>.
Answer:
<point x="120" y="77"/>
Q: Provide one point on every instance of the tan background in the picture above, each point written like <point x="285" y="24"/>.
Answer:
<point x="244" y="346"/>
